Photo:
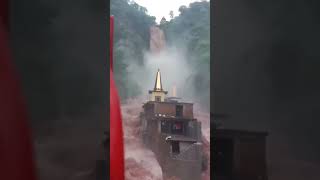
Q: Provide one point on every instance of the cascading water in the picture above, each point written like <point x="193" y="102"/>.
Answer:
<point x="140" y="162"/>
<point x="157" y="39"/>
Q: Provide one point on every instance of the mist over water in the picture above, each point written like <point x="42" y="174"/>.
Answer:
<point x="140" y="162"/>
<point x="172" y="63"/>
<point x="173" y="67"/>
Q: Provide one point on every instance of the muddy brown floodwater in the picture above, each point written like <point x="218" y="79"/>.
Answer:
<point x="140" y="162"/>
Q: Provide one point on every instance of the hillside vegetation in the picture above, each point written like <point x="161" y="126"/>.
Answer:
<point x="190" y="30"/>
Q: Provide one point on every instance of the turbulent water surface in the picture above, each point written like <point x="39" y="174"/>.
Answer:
<point x="140" y="162"/>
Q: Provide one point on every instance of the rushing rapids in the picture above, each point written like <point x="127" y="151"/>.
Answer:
<point x="140" y="162"/>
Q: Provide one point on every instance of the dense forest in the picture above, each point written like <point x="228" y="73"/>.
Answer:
<point x="131" y="39"/>
<point x="190" y="30"/>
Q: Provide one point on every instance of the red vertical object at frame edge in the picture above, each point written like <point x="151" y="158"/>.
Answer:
<point x="16" y="152"/>
<point x="116" y="132"/>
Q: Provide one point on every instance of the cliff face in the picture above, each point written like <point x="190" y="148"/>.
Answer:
<point x="157" y="39"/>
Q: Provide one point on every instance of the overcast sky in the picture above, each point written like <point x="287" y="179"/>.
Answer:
<point x="161" y="8"/>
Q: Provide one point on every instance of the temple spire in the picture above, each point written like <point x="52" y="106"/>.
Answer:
<point x="158" y="83"/>
<point x="158" y="94"/>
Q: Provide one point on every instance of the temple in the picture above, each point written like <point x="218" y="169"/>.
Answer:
<point x="172" y="133"/>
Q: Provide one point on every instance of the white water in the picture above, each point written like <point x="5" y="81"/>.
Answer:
<point x="140" y="162"/>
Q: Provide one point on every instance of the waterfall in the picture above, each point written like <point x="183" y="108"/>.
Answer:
<point x="157" y="39"/>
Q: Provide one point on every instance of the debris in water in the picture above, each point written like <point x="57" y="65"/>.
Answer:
<point x="140" y="162"/>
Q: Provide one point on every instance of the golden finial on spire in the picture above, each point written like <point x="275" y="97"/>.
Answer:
<point x="158" y="83"/>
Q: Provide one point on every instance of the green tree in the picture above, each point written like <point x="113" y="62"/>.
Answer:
<point x="131" y="38"/>
<point x="182" y="9"/>
<point x="163" y="21"/>
<point x="191" y="29"/>
<point x="171" y="14"/>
